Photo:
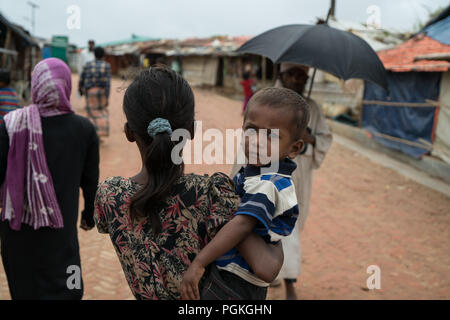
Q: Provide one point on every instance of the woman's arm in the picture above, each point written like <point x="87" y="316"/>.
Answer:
<point x="89" y="182"/>
<point x="265" y="259"/>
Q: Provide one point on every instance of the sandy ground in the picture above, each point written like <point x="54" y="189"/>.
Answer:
<point x="362" y="214"/>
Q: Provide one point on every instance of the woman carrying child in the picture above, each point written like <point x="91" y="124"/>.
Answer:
<point x="160" y="219"/>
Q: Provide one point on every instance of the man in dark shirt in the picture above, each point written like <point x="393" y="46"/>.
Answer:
<point x="95" y="84"/>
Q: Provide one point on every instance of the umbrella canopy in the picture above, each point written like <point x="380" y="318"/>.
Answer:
<point x="338" y="52"/>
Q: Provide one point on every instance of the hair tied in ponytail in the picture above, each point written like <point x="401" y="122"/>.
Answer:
<point x="157" y="126"/>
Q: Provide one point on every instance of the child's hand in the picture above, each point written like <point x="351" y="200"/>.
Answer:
<point x="191" y="278"/>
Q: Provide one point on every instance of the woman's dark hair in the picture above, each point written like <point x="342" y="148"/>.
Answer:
<point x="157" y="92"/>
<point x="246" y="75"/>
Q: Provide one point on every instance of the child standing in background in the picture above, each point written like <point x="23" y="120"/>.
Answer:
<point x="248" y="85"/>
<point x="9" y="101"/>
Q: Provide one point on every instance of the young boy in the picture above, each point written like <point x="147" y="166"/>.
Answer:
<point x="268" y="206"/>
<point x="8" y="96"/>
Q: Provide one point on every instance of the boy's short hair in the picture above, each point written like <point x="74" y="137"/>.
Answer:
<point x="5" y="76"/>
<point x="284" y="98"/>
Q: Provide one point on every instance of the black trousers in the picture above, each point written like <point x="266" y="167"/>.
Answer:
<point x="223" y="285"/>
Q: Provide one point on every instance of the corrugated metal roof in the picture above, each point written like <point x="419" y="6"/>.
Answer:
<point x="134" y="39"/>
<point x="219" y="46"/>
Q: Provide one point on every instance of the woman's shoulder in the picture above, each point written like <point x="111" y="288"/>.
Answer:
<point x="117" y="183"/>
<point x="76" y="123"/>
<point x="217" y="184"/>
<point x="220" y="179"/>
<point x="83" y="122"/>
<point x="216" y="179"/>
<point x="215" y="194"/>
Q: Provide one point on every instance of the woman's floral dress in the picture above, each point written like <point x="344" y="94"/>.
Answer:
<point x="154" y="265"/>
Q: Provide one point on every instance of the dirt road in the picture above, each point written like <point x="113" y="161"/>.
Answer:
<point x="362" y="214"/>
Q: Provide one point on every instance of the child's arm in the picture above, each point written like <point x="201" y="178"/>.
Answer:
<point x="227" y="238"/>
<point x="265" y="259"/>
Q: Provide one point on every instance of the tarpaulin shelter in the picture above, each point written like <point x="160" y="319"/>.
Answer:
<point x="415" y="119"/>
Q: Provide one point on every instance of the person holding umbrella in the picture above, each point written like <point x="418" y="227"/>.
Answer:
<point x="317" y="140"/>
<point x="322" y="47"/>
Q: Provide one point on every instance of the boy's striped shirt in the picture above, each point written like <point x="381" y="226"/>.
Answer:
<point x="271" y="199"/>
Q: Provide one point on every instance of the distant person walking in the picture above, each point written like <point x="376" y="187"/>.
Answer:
<point x="86" y="55"/>
<point x="9" y="101"/>
<point x="95" y="83"/>
<point x="46" y="153"/>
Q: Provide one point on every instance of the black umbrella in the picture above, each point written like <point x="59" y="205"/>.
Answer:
<point x="338" y="52"/>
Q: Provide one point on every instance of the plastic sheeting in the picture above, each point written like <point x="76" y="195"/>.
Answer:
<point x="440" y="31"/>
<point x="408" y="123"/>
<point x="442" y="142"/>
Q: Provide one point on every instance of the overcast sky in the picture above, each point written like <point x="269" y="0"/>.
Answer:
<point x="117" y="19"/>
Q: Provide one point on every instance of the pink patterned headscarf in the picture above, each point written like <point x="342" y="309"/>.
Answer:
<point x="28" y="194"/>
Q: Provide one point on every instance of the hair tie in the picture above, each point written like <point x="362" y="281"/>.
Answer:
<point x="157" y="126"/>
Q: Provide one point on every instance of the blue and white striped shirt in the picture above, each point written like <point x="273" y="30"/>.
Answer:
<point x="270" y="198"/>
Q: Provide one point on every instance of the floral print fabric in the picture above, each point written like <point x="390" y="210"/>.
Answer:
<point x="191" y="216"/>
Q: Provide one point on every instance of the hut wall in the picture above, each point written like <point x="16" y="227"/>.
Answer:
<point x="114" y="63"/>
<point x="200" y="70"/>
<point x="122" y="65"/>
<point x="232" y="73"/>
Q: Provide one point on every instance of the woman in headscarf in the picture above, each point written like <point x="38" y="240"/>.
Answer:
<point x="46" y="154"/>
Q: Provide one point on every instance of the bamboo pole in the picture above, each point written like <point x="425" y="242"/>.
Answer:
<point x="429" y="103"/>
<point x="410" y="143"/>
<point x="264" y="70"/>
<point x="434" y="147"/>
<point x="7" y="42"/>
<point x="437" y="103"/>
<point x="421" y="144"/>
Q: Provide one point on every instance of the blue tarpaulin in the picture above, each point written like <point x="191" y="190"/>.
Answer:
<point x="408" y="123"/>
<point x="46" y="52"/>
<point x="440" y="31"/>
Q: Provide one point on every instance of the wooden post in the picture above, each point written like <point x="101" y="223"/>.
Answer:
<point x="7" y="43"/>
<point x="333" y="8"/>
<point x="275" y="74"/>
<point x="360" y="105"/>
